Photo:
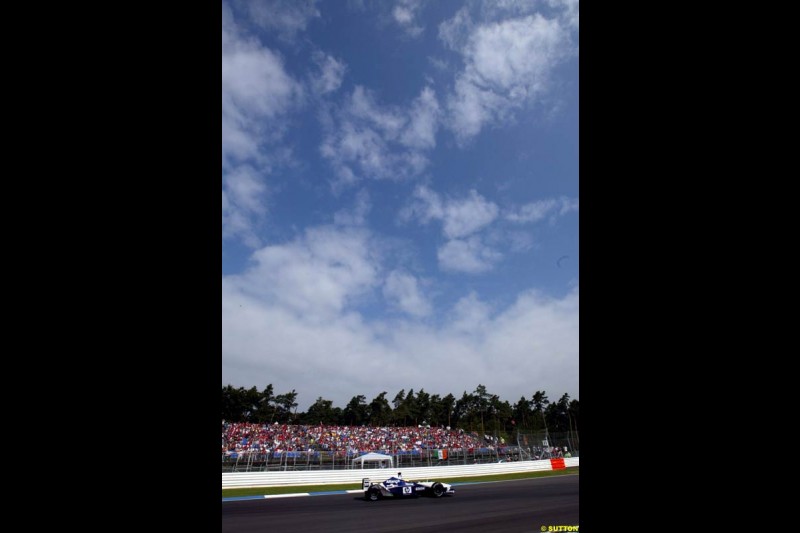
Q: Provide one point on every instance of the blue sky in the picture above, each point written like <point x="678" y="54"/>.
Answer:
<point x="400" y="197"/>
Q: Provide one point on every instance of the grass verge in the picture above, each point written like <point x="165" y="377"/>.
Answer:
<point x="230" y="493"/>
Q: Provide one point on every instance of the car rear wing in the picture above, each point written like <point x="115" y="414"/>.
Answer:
<point x="365" y="483"/>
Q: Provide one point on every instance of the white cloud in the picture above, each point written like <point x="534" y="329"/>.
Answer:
<point x="236" y="223"/>
<point x="508" y="65"/>
<point x="365" y="139"/>
<point x="245" y="189"/>
<point x="253" y="77"/>
<point x="331" y="73"/>
<point x="318" y="275"/>
<point x="528" y="329"/>
<point x="286" y="17"/>
<point x="423" y="121"/>
<point x="405" y="12"/>
<point x="386" y="119"/>
<point x="533" y="211"/>
<point x="425" y="206"/>
<point x="460" y="216"/>
<point x="468" y="247"/>
<point x="464" y="217"/>
<point x="470" y="315"/>
<point x="536" y="211"/>
<point x="438" y="64"/>
<point x="471" y="107"/>
<point x="500" y="9"/>
<point x="302" y="314"/>
<point x="519" y="241"/>
<point x="568" y="205"/>
<point x="403" y="291"/>
<point x="468" y="255"/>
<point x="454" y="32"/>
<point x="402" y="15"/>
<point x="530" y="345"/>
<point x="571" y="11"/>
<point x="362" y="147"/>
<point x="243" y="196"/>
<point x="257" y="94"/>
<point x="515" y="54"/>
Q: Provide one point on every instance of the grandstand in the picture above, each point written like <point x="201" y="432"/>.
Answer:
<point x="264" y="447"/>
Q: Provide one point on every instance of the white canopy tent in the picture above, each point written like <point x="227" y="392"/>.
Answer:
<point x="372" y="457"/>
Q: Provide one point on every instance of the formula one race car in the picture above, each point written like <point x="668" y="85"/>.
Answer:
<point x="396" y="487"/>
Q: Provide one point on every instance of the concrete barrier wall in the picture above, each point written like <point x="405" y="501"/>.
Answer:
<point x="354" y="476"/>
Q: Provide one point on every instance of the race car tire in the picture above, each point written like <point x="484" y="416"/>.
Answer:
<point x="373" y="494"/>
<point x="438" y="490"/>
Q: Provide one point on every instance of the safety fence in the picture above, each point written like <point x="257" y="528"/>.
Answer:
<point x="544" y="444"/>
<point x="443" y="473"/>
<point x="257" y="461"/>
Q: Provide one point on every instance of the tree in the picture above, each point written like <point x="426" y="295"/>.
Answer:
<point x="439" y="411"/>
<point x="463" y="411"/>
<point x="522" y="413"/>
<point x="448" y="403"/>
<point x="380" y="412"/>
<point x="251" y="404"/>
<point x="552" y="416"/>
<point x="355" y="413"/>
<point x="398" y="398"/>
<point x="264" y="411"/>
<point x="574" y="411"/>
<point x="288" y="402"/>
<point x="574" y="408"/>
<point x="475" y="411"/>
<point x="482" y="396"/>
<point x="406" y="410"/>
<point x="282" y="407"/>
<point x="501" y="414"/>
<point x="562" y="413"/>
<point x="321" y="412"/>
<point x="423" y="407"/>
<point x="233" y="404"/>
<point x="539" y="402"/>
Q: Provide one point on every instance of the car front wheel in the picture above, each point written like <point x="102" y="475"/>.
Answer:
<point x="438" y="490"/>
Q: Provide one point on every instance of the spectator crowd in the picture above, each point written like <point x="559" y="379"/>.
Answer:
<point x="342" y="440"/>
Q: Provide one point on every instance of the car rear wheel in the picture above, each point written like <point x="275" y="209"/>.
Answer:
<point x="373" y="494"/>
<point x="438" y="490"/>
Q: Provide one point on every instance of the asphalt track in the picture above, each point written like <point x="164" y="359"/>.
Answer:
<point x="523" y="505"/>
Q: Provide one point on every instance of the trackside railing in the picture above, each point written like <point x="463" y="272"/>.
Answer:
<point x="443" y="473"/>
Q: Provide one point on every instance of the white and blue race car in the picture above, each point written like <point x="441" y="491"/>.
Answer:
<point x="396" y="487"/>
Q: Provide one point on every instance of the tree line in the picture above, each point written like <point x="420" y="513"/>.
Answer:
<point x="478" y="410"/>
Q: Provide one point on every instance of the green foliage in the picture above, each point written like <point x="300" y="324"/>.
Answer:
<point x="479" y="411"/>
<point x="380" y="412"/>
<point x="322" y="412"/>
<point x="355" y="413"/>
<point x="249" y="405"/>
